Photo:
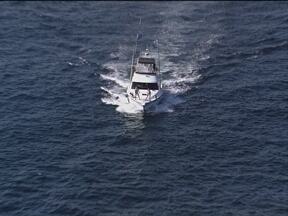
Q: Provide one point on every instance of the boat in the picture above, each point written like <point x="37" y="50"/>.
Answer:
<point x="145" y="87"/>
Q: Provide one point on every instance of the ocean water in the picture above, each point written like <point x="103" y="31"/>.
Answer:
<point x="217" y="145"/>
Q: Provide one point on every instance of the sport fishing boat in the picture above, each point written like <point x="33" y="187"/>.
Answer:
<point x="145" y="88"/>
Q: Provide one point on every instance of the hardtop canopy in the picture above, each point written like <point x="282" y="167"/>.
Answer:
<point x="143" y="60"/>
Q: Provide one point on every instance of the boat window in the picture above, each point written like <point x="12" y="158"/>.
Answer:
<point x="139" y="85"/>
<point x="146" y="60"/>
<point x="145" y="68"/>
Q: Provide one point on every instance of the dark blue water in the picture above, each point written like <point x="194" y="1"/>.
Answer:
<point x="218" y="145"/>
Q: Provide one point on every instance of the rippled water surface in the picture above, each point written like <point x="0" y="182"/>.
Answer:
<point x="217" y="145"/>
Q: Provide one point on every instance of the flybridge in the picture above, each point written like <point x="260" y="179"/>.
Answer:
<point x="145" y="65"/>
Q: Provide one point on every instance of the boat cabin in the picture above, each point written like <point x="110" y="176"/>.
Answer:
<point x="145" y="65"/>
<point x="145" y="73"/>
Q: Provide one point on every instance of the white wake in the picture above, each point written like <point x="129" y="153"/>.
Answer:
<point x="178" y="76"/>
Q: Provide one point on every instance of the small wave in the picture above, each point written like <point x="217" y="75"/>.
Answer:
<point x="180" y="85"/>
<point x="269" y="49"/>
<point x="78" y="62"/>
<point x="122" y="83"/>
<point x="106" y="90"/>
<point x="256" y="52"/>
<point x="70" y="63"/>
<point x="82" y="60"/>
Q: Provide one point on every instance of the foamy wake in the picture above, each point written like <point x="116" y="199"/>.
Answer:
<point x="117" y="81"/>
<point x="178" y="77"/>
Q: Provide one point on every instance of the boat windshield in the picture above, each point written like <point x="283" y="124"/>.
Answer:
<point x="139" y="85"/>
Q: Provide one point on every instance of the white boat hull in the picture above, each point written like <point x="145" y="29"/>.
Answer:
<point x="144" y="105"/>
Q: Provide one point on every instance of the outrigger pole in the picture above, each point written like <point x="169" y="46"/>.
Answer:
<point x="134" y="51"/>
<point x="158" y="59"/>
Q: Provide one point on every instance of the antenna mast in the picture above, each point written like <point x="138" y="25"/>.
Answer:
<point x="158" y="59"/>
<point x="135" y="50"/>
